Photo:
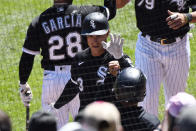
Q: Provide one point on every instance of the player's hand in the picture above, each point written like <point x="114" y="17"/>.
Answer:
<point x="25" y="94"/>
<point x="115" y="46"/>
<point x="50" y="108"/>
<point x="114" y="67"/>
<point x="176" y="20"/>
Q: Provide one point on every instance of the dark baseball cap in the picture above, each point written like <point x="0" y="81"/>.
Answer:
<point x="95" y="24"/>
<point x="186" y="121"/>
<point x="42" y="121"/>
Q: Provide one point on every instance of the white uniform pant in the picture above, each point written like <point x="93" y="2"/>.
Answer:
<point x="53" y="84"/>
<point x="167" y="64"/>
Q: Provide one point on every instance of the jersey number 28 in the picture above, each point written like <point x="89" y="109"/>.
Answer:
<point x="70" y="45"/>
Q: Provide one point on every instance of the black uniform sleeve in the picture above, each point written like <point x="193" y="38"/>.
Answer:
<point x="32" y="43"/>
<point x="152" y="121"/>
<point x="125" y="61"/>
<point x="70" y="91"/>
<point x="71" y="88"/>
<point x="109" y="9"/>
<point x="111" y="5"/>
<point x="25" y="67"/>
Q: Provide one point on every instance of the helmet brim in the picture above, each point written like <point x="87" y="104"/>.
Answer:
<point x="99" y="32"/>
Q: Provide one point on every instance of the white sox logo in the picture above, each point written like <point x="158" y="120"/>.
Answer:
<point x="180" y="4"/>
<point x="102" y="72"/>
<point x="92" y="24"/>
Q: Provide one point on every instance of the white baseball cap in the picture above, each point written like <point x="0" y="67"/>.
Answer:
<point x="72" y="126"/>
<point x="103" y="112"/>
<point x="178" y="101"/>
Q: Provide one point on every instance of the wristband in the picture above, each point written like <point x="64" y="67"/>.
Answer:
<point x="189" y="17"/>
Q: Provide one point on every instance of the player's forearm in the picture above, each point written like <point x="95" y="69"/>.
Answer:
<point x="25" y="67"/>
<point x="193" y="17"/>
<point x="125" y="62"/>
<point x="111" y="5"/>
<point x="69" y="92"/>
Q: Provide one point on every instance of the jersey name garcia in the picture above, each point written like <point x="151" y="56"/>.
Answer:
<point x="56" y="34"/>
<point x="62" y="22"/>
<point x="151" y="16"/>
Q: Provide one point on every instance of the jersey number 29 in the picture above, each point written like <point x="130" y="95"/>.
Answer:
<point x="70" y="45"/>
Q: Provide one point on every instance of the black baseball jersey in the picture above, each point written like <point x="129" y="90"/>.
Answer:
<point x="151" y="16"/>
<point x="56" y="32"/>
<point x="91" y="78"/>
<point x="137" y="119"/>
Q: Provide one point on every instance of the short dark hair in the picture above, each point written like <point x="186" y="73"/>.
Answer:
<point x="186" y="120"/>
<point x="42" y="121"/>
<point x="5" y="122"/>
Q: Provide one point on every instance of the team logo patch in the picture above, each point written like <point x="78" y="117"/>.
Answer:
<point x="80" y="63"/>
<point x="92" y="24"/>
<point x="180" y="4"/>
<point x="101" y="73"/>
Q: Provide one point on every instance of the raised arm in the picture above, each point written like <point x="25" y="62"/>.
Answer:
<point x="121" y="3"/>
<point x="111" y="5"/>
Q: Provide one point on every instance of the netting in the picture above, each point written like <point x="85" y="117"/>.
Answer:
<point x="15" y="18"/>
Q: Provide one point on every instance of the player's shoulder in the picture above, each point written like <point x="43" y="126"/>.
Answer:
<point x="83" y="54"/>
<point x="37" y="19"/>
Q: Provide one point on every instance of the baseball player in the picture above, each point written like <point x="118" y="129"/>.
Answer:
<point x="55" y="34"/>
<point x="163" y="50"/>
<point x="92" y="77"/>
<point x="129" y="89"/>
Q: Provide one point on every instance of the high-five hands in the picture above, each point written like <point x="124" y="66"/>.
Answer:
<point x="115" y="46"/>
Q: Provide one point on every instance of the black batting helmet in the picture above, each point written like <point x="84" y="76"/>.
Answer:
<point x="95" y="24"/>
<point x="130" y="85"/>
